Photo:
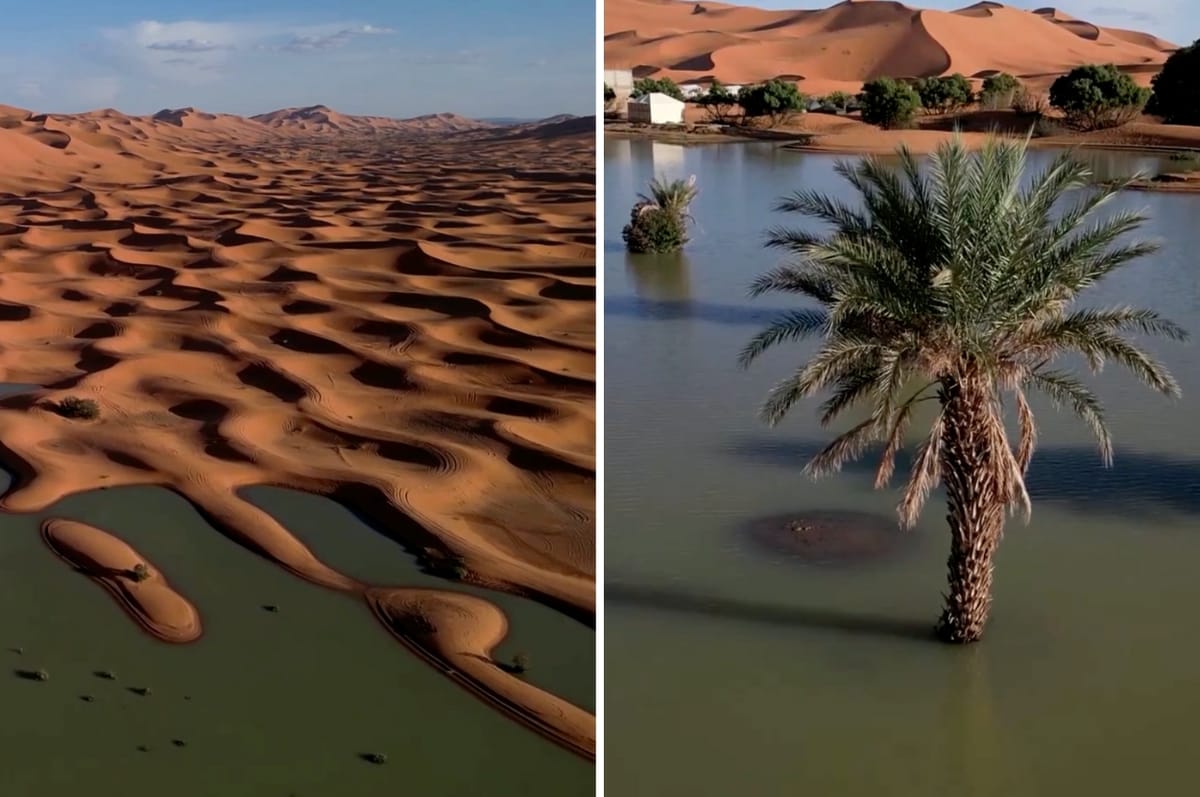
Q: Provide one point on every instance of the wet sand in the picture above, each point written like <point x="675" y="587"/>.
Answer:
<point x="403" y="321"/>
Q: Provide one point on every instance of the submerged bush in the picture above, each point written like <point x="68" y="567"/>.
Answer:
<point x="658" y="222"/>
<point x="139" y="572"/>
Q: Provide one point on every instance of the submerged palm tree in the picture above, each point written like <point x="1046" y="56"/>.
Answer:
<point x="658" y="222"/>
<point x="958" y="283"/>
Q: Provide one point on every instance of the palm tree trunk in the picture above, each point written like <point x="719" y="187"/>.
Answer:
<point x="976" y="509"/>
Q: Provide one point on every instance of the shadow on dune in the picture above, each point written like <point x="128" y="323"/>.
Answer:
<point x="680" y="601"/>
<point x="1137" y="483"/>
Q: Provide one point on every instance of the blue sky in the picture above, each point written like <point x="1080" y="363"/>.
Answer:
<point x="479" y="58"/>
<point x="1177" y="21"/>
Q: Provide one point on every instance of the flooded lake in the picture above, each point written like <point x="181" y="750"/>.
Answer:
<point x="734" y="670"/>
<point x="266" y="702"/>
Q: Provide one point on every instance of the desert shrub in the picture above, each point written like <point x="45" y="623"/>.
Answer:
<point x="998" y="91"/>
<point x="718" y="102"/>
<point x="838" y="99"/>
<point x="776" y="100"/>
<point x="888" y="103"/>
<point x="519" y="665"/>
<point x="1028" y="102"/>
<point x="609" y="94"/>
<point x="1095" y="96"/>
<point x="662" y="85"/>
<point x="75" y="407"/>
<point x="139" y="572"/>
<point x="1176" y="89"/>
<point x="944" y="94"/>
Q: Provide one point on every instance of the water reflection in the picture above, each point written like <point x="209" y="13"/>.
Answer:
<point x="663" y="277"/>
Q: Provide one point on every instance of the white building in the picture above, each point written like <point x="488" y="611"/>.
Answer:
<point x="621" y="82"/>
<point x="656" y="109"/>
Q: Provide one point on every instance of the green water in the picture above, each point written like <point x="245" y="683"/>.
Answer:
<point x="267" y="703"/>
<point x="729" y="671"/>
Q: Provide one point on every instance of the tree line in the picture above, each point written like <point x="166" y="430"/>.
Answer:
<point x="1089" y="97"/>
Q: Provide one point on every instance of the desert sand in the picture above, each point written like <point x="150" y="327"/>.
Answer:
<point x="840" y="47"/>
<point x="150" y="601"/>
<point x="399" y="315"/>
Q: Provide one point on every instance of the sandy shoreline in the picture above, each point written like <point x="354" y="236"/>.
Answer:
<point x="405" y="324"/>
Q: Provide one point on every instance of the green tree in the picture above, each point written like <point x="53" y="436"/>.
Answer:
<point x="658" y="221"/>
<point x="944" y="94"/>
<point x="955" y="284"/>
<point x="609" y="94"/>
<point x="888" y="103"/>
<point x="718" y="102"/>
<point x="1092" y="97"/>
<point x="662" y="85"/>
<point x="1176" y="88"/>
<point x="838" y="99"/>
<point x="775" y="100"/>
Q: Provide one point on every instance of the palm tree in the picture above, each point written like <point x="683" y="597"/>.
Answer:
<point x="674" y="196"/>
<point x="958" y="283"/>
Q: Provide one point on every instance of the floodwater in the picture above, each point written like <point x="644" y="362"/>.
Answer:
<point x="265" y="703"/>
<point x="732" y="670"/>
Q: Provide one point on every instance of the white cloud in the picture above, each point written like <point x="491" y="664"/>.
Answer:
<point x="308" y="42"/>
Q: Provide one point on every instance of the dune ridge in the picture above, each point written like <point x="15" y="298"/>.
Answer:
<point x="402" y="323"/>
<point x="844" y="45"/>
<point x="109" y="561"/>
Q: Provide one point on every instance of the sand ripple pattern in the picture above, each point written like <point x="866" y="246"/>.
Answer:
<point x="406" y="326"/>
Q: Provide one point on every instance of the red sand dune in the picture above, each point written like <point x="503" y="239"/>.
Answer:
<point x="322" y="119"/>
<point x="840" y="47"/>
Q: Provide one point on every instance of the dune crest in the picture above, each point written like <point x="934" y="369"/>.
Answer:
<point x="844" y="45"/>
<point x="151" y="601"/>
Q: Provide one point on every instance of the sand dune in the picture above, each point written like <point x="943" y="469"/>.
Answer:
<point x="403" y="323"/>
<point x="322" y="119"/>
<point x="150" y="601"/>
<point x="840" y="47"/>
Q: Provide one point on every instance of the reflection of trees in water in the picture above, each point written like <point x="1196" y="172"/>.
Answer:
<point x="660" y="276"/>
<point x="977" y="762"/>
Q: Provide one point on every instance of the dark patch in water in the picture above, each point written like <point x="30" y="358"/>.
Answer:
<point x="830" y="537"/>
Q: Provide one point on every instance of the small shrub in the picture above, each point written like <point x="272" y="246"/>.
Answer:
<point x="1094" y="97"/>
<point x="75" y="407"/>
<point x="1176" y="89"/>
<point x="519" y="665"/>
<point x="776" y="100"/>
<point x="374" y="758"/>
<point x="1030" y="103"/>
<point x="609" y="93"/>
<point x="998" y="91"/>
<point x="662" y="85"/>
<point x="889" y="103"/>
<point x="139" y="572"/>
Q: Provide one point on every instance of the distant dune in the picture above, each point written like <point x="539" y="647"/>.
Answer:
<point x="321" y="118"/>
<point x="844" y="45"/>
